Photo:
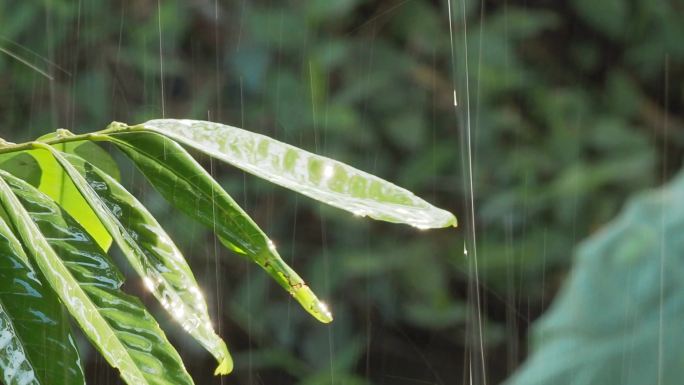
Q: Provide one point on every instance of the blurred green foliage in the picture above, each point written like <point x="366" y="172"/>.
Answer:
<point x="574" y="105"/>
<point x="616" y="321"/>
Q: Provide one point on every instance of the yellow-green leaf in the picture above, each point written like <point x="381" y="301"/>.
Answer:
<point x="60" y="188"/>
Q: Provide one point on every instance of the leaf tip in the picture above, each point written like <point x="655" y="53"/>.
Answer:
<point x="225" y="366"/>
<point x="453" y="222"/>
<point x="437" y="221"/>
<point x="322" y="312"/>
<point x="313" y="305"/>
<point x="447" y="219"/>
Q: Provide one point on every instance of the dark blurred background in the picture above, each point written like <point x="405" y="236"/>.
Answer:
<point x="572" y="106"/>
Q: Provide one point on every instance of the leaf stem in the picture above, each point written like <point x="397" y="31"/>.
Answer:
<point x="63" y="136"/>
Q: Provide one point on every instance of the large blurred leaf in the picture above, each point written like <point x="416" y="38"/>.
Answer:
<point x="89" y="286"/>
<point x="151" y="252"/>
<point x="190" y="188"/>
<point x="618" y="318"/>
<point x="58" y="186"/>
<point x="324" y="179"/>
<point x="27" y="306"/>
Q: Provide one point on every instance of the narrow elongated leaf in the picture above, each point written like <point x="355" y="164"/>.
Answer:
<point x="57" y="185"/>
<point x="28" y="357"/>
<point x="89" y="285"/>
<point x="150" y="251"/>
<point x="184" y="183"/>
<point x="318" y="177"/>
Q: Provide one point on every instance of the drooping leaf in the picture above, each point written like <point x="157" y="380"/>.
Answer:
<point x="60" y="188"/>
<point x="150" y="251"/>
<point x="618" y="318"/>
<point x="27" y="306"/>
<point x="318" y="177"/>
<point x="190" y="188"/>
<point x="89" y="284"/>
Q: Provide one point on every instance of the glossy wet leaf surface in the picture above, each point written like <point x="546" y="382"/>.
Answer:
<point x="36" y="344"/>
<point x="152" y="253"/>
<point x="318" y="177"/>
<point x="57" y="185"/>
<point x="89" y="285"/>
<point x="618" y="320"/>
<point x="184" y="183"/>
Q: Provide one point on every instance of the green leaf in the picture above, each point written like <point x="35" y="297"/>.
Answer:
<point x="618" y="318"/>
<point x="26" y="306"/>
<point x="89" y="284"/>
<point x="61" y="189"/>
<point x="320" y="178"/>
<point x="150" y="251"/>
<point x="190" y="188"/>
<point x="21" y="165"/>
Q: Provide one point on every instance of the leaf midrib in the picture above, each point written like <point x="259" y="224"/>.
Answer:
<point x="5" y="189"/>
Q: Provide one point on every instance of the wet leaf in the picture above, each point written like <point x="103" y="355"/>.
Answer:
<point x="27" y="305"/>
<point x="318" y="177"/>
<point x="190" y="188"/>
<point x="151" y="252"/>
<point x="88" y="284"/>
<point x="59" y="187"/>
